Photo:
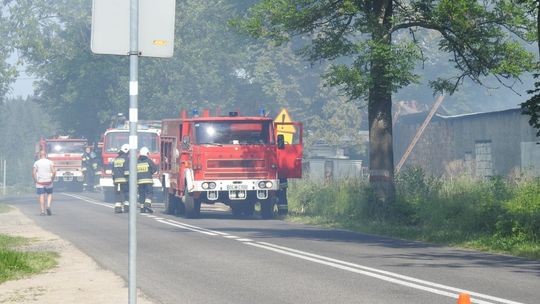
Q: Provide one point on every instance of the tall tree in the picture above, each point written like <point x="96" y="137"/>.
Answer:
<point x="7" y="71"/>
<point x="480" y="36"/>
<point x="531" y="107"/>
<point x="23" y="123"/>
<point x="78" y="89"/>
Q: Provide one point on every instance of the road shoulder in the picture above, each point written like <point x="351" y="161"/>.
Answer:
<point x="76" y="279"/>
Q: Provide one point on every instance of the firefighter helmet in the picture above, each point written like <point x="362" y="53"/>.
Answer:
<point x="144" y="151"/>
<point x="124" y="148"/>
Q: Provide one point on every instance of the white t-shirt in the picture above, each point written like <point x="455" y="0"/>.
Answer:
<point x="43" y="168"/>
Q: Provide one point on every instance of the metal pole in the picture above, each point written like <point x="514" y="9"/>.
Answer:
<point x="4" y="184"/>
<point x="133" y="118"/>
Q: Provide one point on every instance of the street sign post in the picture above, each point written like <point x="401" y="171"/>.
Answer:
<point x="135" y="28"/>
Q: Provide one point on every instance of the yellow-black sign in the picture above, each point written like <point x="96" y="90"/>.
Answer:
<point x="288" y="131"/>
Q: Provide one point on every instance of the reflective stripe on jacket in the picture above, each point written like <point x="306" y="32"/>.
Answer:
<point x="121" y="168"/>
<point x="145" y="169"/>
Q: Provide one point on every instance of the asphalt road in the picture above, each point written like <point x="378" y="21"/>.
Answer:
<point x="222" y="259"/>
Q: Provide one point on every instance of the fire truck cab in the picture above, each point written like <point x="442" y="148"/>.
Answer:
<point x="66" y="154"/>
<point x="148" y="133"/>
<point x="235" y="160"/>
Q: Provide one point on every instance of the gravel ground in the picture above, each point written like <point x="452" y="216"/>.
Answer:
<point x="76" y="279"/>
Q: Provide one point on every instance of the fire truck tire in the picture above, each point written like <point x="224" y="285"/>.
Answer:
<point x="192" y="205"/>
<point x="168" y="201"/>
<point x="249" y="209"/>
<point x="267" y="209"/>
<point x="236" y="209"/>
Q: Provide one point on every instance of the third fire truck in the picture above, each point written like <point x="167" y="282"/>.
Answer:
<point x="148" y="133"/>
<point x="66" y="154"/>
<point x="235" y="160"/>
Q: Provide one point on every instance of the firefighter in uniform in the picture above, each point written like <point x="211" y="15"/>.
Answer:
<point x="88" y="171"/>
<point x="120" y="179"/>
<point x="145" y="169"/>
<point x="96" y="167"/>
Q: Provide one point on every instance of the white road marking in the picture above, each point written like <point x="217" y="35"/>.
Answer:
<point x="403" y="280"/>
<point x="185" y="227"/>
<point x="89" y="200"/>
<point x="387" y="273"/>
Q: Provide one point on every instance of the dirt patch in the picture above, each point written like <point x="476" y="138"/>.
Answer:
<point x="76" y="279"/>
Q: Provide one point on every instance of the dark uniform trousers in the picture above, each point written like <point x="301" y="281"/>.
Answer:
<point x="120" y="179"/>
<point x="145" y="169"/>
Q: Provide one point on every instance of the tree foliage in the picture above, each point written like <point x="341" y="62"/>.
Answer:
<point x="7" y="71"/>
<point x="212" y="67"/>
<point x="531" y="107"/>
<point x="369" y="63"/>
<point x="23" y="123"/>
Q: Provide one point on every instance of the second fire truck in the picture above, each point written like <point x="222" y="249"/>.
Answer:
<point x="148" y="136"/>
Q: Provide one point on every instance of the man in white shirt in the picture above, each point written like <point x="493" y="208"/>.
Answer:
<point x="43" y="174"/>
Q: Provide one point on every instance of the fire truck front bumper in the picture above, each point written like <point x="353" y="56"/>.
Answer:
<point x="68" y="176"/>
<point x="236" y="189"/>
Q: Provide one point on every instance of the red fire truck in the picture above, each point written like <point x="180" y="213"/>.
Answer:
<point x="148" y="133"/>
<point x="235" y="160"/>
<point x="66" y="154"/>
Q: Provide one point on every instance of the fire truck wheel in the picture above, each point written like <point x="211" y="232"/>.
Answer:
<point x="192" y="205"/>
<point x="249" y="209"/>
<point x="169" y="203"/>
<point x="236" y="209"/>
<point x="267" y="209"/>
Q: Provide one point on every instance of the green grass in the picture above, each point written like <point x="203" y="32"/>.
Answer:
<point x="4" y="208"/>
<point x="496" y="215"/>
<point x="15" y="264"/>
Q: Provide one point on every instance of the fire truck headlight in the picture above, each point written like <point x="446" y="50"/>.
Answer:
<point x="265" y="184"/>
<point x="208" y="185"/>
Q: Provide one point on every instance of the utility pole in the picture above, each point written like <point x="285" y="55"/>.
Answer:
<point x="419" y="133"/>
<point x="4" y="181"/>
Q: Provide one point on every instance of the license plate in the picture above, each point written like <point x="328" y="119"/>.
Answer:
<point x="237" y="187"/>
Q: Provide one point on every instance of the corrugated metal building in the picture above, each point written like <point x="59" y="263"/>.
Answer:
<point x="480" y="144"/>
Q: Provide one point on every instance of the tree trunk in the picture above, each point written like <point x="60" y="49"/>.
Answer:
<point x="381" y="152"/>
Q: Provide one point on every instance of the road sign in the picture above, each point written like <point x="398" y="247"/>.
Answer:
<point x="284" y="116"/>
<point x="111" y="26"/>
<point x="287" y="130"/>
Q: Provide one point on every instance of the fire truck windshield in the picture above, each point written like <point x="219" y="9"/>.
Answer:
<point x="114" y="140"/>
<point x="233" y="132"/>
<point x="65" y="146"/>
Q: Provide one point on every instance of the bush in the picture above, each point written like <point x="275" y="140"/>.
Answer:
<point x="343" y="201"/>
<point x="495" y="214"/>
<point x="521" y="214"/>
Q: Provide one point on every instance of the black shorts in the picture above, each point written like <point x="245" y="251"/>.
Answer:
<point x="44" y="190"/>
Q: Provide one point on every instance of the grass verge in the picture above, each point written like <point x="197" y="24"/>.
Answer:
<point x="495" y="215"/>
<point x="4" y="208"/>
<point x="16" y="264"/>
